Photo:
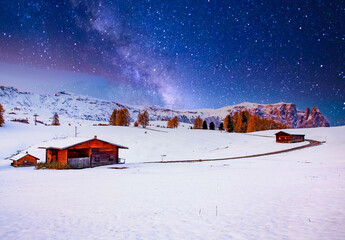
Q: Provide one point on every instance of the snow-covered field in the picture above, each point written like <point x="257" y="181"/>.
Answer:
<point x="295" y="195"/>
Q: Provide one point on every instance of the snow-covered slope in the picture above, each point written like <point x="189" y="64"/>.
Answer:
<point x="74" y="108"/>
<point x="295" y="195"/>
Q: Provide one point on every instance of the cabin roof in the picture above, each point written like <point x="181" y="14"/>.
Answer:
<point x="61" y="144"/>
<point x="288" y="134"/>
<point x="21" y="155"/>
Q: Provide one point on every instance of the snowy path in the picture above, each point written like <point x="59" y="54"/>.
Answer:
<point x="312" y="143"/>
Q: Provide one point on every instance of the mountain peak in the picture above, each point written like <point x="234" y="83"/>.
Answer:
<point x="73" y="108"/>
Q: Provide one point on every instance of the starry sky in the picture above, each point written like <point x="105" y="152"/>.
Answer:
<point x="179" y="54"/>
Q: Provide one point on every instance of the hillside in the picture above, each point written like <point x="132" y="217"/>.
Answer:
<point x="74" y="108"/>
<point x="295" y="195"/>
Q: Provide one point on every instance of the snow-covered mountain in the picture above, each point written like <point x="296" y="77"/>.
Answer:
<point x="74" y="108"/>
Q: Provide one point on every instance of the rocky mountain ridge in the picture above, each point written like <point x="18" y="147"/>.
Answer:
<point x="72" y="108"/>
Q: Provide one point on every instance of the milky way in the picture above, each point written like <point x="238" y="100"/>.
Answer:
<point x="188" y="54"/>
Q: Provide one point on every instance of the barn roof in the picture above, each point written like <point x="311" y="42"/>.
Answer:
<point x="61" y="144"/>
<point x="21" y="155"/>
<point x="289" y="134"/>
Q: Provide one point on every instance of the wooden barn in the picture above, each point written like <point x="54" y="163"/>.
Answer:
<point x="83" y="153"/>
<point x="23" y="160"/>
<point x="283" y="137"/>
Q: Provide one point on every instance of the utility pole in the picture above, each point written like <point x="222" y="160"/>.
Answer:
<point x="35" y="115"/>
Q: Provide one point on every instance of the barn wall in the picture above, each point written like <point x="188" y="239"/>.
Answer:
<point x="104" y="156"/>
<point x="48" y="155"/>
<point x="79" y="162"/>
<point x="62" y="156"/>
<point x="30" y="161"/>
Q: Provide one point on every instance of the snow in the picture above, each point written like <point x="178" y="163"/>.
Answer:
<point x="18" y="156"/>
<point x="295" y="195"/>
<point x="146" y="145"/>
<point x="80" y="110"/>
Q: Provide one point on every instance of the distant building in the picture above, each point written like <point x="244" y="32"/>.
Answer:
<point x="83" y="153"/>
<point x="283" y="137"/>
<point x="23" y="160"/>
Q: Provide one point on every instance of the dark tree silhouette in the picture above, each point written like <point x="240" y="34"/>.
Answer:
<point x="228" y="124"/>
<point x="212" y="126"/>
<point x="204" y="125"/>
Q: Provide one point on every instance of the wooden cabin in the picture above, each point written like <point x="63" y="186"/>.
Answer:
<point x="83" y="153"/>
<point x="283" y="137"/>
<point x="23" y="160"/>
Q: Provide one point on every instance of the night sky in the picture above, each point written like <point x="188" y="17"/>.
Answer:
<point x="179" y="54"/>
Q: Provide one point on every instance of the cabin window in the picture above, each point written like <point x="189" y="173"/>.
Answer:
<point x="96" y="159"/>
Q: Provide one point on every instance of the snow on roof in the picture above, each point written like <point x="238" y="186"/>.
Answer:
<point x="282" y="132"/>
<point x="20" y="155"/>
<point x="69" y="142"/>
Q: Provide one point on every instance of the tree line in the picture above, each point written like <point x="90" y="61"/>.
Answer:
<point x="240" y="122"/>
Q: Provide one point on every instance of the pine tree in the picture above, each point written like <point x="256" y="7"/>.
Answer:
<point x="56" y="121"/>
<point x="244" y="119"/>
<point x="112" y="120"/>
<point x="169" y="123"/>
<point x="143" y="119"/>
<point x="228" y="124"/>
<point x="221" y="126"/>
<point x="197" y="123"/>
<point x="123" y="117"/>
<point x="252" y="124"/>
<point x="204" y="125"/>
<point x="175" y="122"/>
<point x="212" y="126"/>
<point x="237" y="122"/>
<point x="136" y="124"/>
<point x="2" y="120"/>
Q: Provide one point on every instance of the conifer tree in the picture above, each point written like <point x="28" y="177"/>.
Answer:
<point x="237" y="122"/>
<point x="2" y="120"/>
<point x="56" y="121"/>
<point x="221" y="126"/>
<point x="228" y="124"/>
<point x="175" y="122"/>
<point x="244" y="119"/>
<point x="204" y="125"/>
<point x="212" y="126"/>
<point x="143" y="119"/>
<point x="169" y="123"/>
<point x="252" y="124"/>
<point x="197" y="123"/>
<point x="112" y="120"/>
<point x="123" y="117"/>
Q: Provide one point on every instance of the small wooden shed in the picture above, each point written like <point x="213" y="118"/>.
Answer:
<point x="83" y="153"/>
<point x="283" y="137"/>
<point x="23" y="160"/>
